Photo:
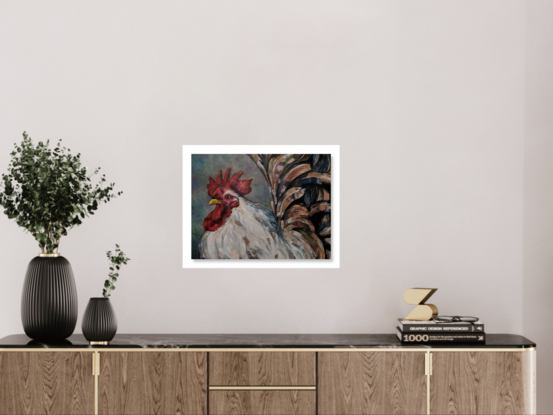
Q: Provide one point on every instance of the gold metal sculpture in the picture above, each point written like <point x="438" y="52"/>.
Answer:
<point x="418" y="297"/>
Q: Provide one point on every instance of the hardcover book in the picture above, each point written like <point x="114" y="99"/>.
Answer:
<point x="421" y="338"/>
<point x="413" y="326"/>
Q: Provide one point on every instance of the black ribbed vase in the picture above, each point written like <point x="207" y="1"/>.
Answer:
<point x="49" y="302"/>
<point x="99" y="320"/>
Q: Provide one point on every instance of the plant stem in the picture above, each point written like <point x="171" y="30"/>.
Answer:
<point x="50" y="231"/>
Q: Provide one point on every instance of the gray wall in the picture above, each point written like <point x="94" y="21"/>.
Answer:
<point x="538" y="195"/>
<point x="426" y="99"/>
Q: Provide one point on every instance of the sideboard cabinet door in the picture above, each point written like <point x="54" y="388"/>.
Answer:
<point x="46" y="383"/>
<point x="145" y="382"/>
<point x="351" y="383"/>
<point x="475" y="382"/>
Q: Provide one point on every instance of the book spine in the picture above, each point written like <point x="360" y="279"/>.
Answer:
<point x="441" y="338"/>
<point x="460" y="328"/>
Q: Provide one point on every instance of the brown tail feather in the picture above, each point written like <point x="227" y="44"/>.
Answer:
<point x="301" y="191"/>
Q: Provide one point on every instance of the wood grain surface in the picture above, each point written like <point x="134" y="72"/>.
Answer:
<point x="152" y="383"/>
<point x="482" y="383"/>
<point x="46" y="383"/>
<point x="262" y="369"/>
<point x="269" y="402"/>
<point x="371" y="383"/>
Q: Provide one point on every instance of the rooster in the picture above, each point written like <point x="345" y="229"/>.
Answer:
<point x="297" y="226"/>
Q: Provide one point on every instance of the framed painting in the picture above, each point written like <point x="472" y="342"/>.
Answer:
<point x="275" y="204"/>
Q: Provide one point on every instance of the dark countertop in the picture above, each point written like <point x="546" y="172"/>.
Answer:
<point x="217" y="341"/>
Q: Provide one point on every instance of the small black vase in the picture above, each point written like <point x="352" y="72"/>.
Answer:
<point x="49" y="306"/>
<point x="99" y="321"/>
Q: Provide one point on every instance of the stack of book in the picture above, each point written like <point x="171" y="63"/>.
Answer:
<point x="433" y="331"/>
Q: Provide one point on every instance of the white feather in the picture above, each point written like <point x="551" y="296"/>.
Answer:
<point x="252" y="232"/>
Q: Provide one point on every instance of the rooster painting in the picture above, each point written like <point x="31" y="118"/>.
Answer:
<point x="296" y="226"/>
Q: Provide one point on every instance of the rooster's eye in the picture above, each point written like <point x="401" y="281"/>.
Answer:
<point x="227" y="197"/>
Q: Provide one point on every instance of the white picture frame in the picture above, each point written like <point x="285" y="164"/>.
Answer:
<point x="189" y="150"/>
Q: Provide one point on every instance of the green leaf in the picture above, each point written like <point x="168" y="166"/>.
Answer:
<point x="47" y="191"/>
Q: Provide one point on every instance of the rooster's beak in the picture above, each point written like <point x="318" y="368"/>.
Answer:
<point x="214" y="202"/>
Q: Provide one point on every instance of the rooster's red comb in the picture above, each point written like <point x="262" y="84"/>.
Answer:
<point x="216" y="188"/>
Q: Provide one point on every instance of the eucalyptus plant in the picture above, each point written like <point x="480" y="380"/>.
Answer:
<point x="116" y="261"/>
<point x="48" y="191"/>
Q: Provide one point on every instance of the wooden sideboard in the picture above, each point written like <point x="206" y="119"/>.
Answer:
<point x="215" y="378"/>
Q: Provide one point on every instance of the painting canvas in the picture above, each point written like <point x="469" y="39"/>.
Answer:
<point x="261" y="206"/>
